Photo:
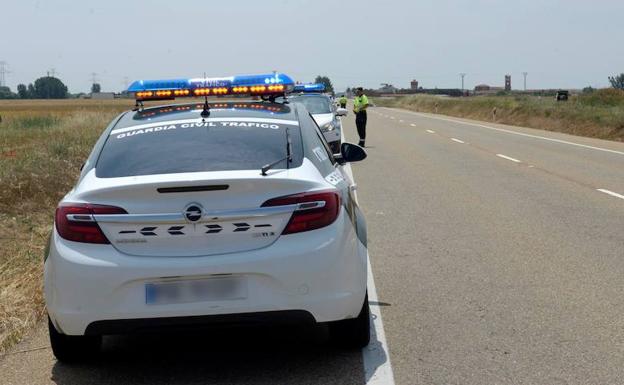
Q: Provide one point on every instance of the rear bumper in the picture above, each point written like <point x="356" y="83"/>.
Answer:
<point x="168" y="324"/>
<point x="321" y="273"/>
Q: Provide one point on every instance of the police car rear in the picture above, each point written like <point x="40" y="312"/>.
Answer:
<point x="207" y="212"/>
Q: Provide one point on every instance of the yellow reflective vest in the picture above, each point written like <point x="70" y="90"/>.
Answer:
<point x="360" y="103"/>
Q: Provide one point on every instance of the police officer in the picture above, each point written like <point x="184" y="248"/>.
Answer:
<point x="343" y="101"/>
<point x="360" y="103"/>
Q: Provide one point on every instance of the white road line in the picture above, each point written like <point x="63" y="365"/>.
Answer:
<point x="401" y="121"/>
<point x="457" y="140"/>
<point x="377" y="366"/>
<point x="611" y="193"/>
<point x="392" y="117"/>
<point x="508" y="158"/>
<point x="412" y="124"/>
<point x="520" y="133"/>
<point x="431" y="131"/>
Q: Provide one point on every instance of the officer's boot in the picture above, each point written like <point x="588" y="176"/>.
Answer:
<point x="361" y="144"/>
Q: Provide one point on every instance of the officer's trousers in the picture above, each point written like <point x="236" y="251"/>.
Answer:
<point x="360" y="123"/>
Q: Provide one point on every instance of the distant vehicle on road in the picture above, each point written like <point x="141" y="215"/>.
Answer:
<point x="562" y="95"/>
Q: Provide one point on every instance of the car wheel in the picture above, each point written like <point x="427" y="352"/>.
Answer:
<point x="70" y="349"/>
<point x="352" y="333"/>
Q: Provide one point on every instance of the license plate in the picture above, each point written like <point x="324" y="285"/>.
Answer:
<point x="197" y="290"/>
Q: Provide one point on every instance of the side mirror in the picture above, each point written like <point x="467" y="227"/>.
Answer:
<point x="350" y="152"/>
<point x="341" y="112"/>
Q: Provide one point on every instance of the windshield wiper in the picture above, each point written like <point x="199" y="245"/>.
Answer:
<point x="287" y="158"/>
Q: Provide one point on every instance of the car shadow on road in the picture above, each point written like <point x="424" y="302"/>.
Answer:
<point x="258" y="355"/>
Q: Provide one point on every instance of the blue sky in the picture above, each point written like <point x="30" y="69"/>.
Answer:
<point x="567" y="44"/>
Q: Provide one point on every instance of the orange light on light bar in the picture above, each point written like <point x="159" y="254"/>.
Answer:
<point x="202" y="91"/>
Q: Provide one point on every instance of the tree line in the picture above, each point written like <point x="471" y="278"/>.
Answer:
<point x="46" y="87"/>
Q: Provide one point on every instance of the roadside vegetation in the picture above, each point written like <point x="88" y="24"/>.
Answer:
<point x="42" y="146"/>
<point x="594" y="113"/>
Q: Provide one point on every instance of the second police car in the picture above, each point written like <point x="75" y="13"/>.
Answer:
<point x="197" y="213"/>
<point x="323" y="110"/>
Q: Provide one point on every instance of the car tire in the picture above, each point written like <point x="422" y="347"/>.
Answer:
<point x="352" y="333"/>
<point x="72" y="349"/>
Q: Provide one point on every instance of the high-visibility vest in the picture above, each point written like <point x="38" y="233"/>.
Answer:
<point x="360" y="103"/>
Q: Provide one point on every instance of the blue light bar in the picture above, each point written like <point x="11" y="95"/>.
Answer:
<point x="263" y="84"/>
<point x="316" y="87"/>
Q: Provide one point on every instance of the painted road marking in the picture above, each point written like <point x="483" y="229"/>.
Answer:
<point x="400" y="121"/>
<point x="431" y="131"/>
<point x="457" y="140"/>
<point x="377" y="366"/>
<point x="412" y="124"/>
<point x="521" y="133"/>
<point x="392" y="117"/>
<point x="508" y="158"/>
<point x="614" y="194"/>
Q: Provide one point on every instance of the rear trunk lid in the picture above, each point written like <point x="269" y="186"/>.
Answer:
<point x="194" y="214"/>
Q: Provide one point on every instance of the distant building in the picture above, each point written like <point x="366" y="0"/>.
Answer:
<point x="387" y="89"/>
<point x="482" y="88"/>
<point x="102" y="95"/>
<point x="507" y="82"/>
<point x="414" y="84"/>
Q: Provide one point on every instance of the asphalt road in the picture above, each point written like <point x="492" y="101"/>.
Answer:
<point x="498" y="256"/>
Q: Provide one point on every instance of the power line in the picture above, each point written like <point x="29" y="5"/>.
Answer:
<point x="93" y="78"/>
<point x="525" y="76"/>
<point x="4" y="70"/>
<point x="463" y="75"/>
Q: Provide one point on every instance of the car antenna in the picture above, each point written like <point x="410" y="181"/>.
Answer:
<point x="206" y="111"/>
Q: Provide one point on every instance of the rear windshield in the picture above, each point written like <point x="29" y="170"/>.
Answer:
<point x="314" y="104"/>
<point x="193" y="146"/>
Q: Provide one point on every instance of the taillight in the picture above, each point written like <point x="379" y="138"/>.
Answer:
<point x="316" y="210"/>
<point x="75" y="222"/>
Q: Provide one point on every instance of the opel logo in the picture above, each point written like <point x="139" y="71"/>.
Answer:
<point x="193" y="212"/>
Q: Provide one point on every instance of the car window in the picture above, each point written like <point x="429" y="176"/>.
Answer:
<point x="314" y="104"/>
<point x="210" y="146"/>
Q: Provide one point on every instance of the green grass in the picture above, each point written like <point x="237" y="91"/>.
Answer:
<point x="599" y="114"/>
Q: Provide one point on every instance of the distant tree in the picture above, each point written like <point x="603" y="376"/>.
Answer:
<point x="5" y="93"/>
<point x="22" y="91"/>
<point x="588" y="90"/>
<point x="325" y="80"/>
<point x="617" y="81"/>
<point x="31" y="91"/>
<point x="49" y="87"/>
<point x="96" y="88"/>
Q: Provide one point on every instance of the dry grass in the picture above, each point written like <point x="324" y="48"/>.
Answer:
<point x="598" y="115"/>
<point x="42" y="145"/>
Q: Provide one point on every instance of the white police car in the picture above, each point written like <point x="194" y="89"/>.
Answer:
<point x="323" y="110"/>
<point x="208" y="212"/>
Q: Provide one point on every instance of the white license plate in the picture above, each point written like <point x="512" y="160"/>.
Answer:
<point x="196" y="290"/>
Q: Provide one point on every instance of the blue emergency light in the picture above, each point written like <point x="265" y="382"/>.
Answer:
<point x="316" y="87"/>
<point x="273" y="84"/>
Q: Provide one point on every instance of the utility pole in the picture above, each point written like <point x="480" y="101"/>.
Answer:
<point x="93" y="78"/>
<point x="4" y="70"/>
<point x="525" y="76"/>
<point x="463" y="75"/>
<point x="52" y="72"/>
